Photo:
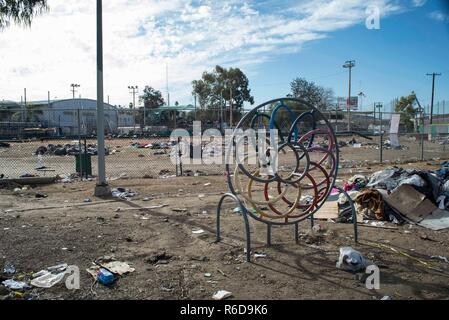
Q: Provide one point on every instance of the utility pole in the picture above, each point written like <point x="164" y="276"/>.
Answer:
<point x="134" y="90"/>
<point x="433" y="93"/>
<point x="230" y="106"/>
<point x="349" y="65"/>
<point x="102" y="188"/>
<point x="24" y="104"/>
<point x="74" y="86"/>
<point x="48" y="111"/>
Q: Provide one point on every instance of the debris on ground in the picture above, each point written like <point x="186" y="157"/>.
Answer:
<point x="199" y="231"/>
<point x="15" y="285"/>
<point x="221" y="294"/>
<point x="105" y="277"/>
<point x="351" y="260"/>
<point x="159" y="257"/>
<point x="49" y="277"/>
<point x="399" y="196"/>
<point x="106" y="270"/>
<point x="9" y="269"/>
<point x="122" y="193"/>
<point x="440" y="258"/>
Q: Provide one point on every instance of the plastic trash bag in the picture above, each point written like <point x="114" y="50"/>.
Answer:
<point x="383" y="178"/>
<point x="351" y="260"/>
<point x="414" y="180"/>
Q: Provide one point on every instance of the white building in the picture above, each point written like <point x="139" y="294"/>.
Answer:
<point x="74" y="116"/>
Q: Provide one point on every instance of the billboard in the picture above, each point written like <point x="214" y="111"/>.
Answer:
<point x="343" y="103"/>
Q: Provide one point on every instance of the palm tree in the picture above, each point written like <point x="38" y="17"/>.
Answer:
<point x="20" y="11"/>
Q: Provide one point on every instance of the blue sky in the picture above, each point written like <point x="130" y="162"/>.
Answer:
<point x="271" y="41"/>
<point x="390" y="62"/>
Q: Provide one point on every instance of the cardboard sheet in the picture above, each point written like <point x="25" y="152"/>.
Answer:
<point x="329" y="210"/>
<point x="410" y="203"/>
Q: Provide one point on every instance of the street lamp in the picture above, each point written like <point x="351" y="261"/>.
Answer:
<point x="133" y="91"/>
<point x="74" y="86"/>
<point x="349" y="65"/>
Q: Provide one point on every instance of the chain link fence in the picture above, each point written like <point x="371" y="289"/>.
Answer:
<point x="138" y="142"/>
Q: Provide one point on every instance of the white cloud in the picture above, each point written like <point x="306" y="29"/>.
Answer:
<point x="419" y="3"/>
<point x="439" y="16"/>
<point x="142" y="36"/>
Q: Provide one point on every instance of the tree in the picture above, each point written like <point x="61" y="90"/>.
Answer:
<point x="405" y="106"/>
<point x="223" y="85"/>
<point x="151" y="98"/>
<point x="318" y="96"/>
<point x="20" y="11"/>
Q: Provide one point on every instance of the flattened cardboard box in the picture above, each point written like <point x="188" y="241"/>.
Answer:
<point x="412" y="204"/>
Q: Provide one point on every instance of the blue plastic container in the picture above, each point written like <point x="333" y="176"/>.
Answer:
<point x="105" y="277"/>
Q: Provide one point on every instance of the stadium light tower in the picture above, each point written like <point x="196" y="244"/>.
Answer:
<point x="74" y="86"/>
<point x="349" y="65"/>
<point x="133" y="91"/>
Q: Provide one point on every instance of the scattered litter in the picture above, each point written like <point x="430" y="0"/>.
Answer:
<point x="207" y="184"/>
<point x="146" y="199"/>
<point x="440" y="258"/>
<point x="105" y="277"/>
<point x="237" y="210"/>
<point x="318" y="228"/>
<point x="118" y="267"/>
<point x="351" y="260"/>
<point x="259" y="255"/>
<point x="9" y="269"/>
<point x="201" y="196"/>
<point x="122" y="193"/>
<point x="386" y="298"/>
<point x="88" y="200"/>
<point x="208" y="275"/>
<point x="199" y="231"/>
<point x="49" y="277"/>
<point x="15" y="285"/>
<point x="221" y="294"/>
<point x="40" y="195"/>
<point x="159" y="257"/>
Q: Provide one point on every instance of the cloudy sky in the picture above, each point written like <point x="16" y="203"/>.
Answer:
<point x="272" y="41"/>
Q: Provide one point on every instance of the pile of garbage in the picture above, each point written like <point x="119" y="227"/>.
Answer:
<point x="69" y="149"/>
<point x="154" y="145"/>
<point x="16" y="285"/>
<point x="399" y="196"/>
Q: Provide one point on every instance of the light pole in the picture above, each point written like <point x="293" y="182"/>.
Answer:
<point x="74" y="86"/>
<point x="231" y="83"/>
<point x="349" y="65"/>
<point x="133" y="91"/>
<point x="102" y="188"/>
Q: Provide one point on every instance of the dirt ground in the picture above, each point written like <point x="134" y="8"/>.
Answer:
<point x="33" y="239"/>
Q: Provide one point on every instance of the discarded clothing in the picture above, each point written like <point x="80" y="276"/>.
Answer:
<point x="370" y="204"/>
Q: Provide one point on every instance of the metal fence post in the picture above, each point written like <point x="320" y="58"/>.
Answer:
<point x="422" y="146"/>
<point x="381" y="146"/>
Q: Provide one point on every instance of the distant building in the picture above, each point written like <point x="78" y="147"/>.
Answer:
<point x="73" y="116"/>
